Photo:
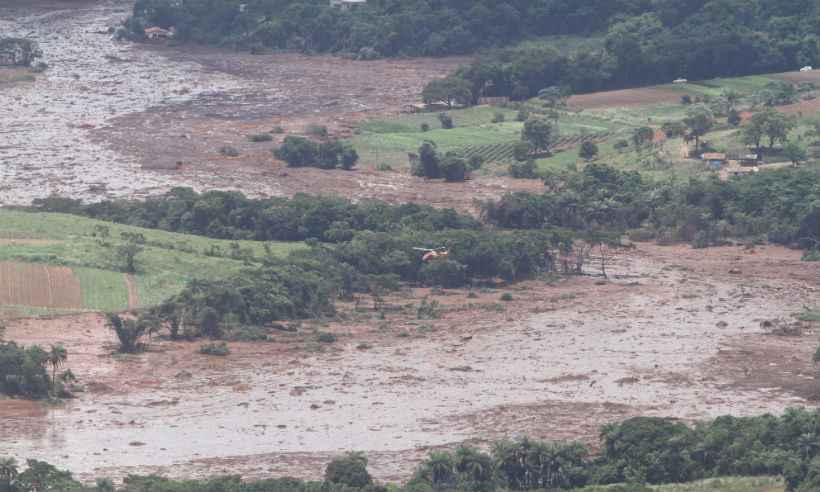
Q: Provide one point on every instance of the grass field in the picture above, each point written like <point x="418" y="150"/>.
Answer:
<point x="166" y="264"/>
<point x="730" y="484"/>
<point x="389" y="141"/>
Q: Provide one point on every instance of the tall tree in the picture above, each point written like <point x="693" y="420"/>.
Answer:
<point x="56" y="358"/>
<point x="699" y="120"/>
<point x="540" y="133"/>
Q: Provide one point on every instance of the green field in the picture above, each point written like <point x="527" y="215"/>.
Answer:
<point x="386" y="143"/>
<point x="166" y="264"/>
<point x="728" y="484"/>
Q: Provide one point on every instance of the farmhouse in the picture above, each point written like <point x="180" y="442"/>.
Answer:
<point x="714" y="160"/>
<point x="749" y="159"/>
<point x="347" y="4"/>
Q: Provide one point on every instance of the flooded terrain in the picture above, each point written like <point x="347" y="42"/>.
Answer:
<point x="665" y="337"/>
<point x="114" y="119"/>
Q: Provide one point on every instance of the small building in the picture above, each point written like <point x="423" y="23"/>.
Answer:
<point x="347" y="4"/>
<point x="159" y="33"/>
<point x="715" y="160"/>
<point x="749" y="159"/>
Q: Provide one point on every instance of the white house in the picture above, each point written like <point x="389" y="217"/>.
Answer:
<point x="347" y="4"/>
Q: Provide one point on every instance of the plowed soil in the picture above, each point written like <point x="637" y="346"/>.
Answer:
<point x="624" y="98"/>
<point x="39" y="285"/>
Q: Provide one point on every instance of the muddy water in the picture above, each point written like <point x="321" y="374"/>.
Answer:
<point x="639" y="354"/>
<point x="44" y="144"/>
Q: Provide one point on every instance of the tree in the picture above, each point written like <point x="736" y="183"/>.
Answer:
<point x="588" y="151"/>
<point x="795" y="153"/>
<point x="755" y="129"/>
<point x="541" y="134"/>
<point x="642" y="136"/>
<point x="56" y="358"/>
<point x="449" y="91"/>
<point x="554" y="96"/>
<point x="673" y="129"/>
<point x="446" y="121"/>
<point x="733" y="118"/>
<point x="297" y="151"/>
<point x="777" y="126"/>
<point x="8" y="473"/>
<point x="699" y="120"/>
<point x="129" y="332"/>
<point x="428" y="164"/>
<point x="128" y="250"/>
<point x="349" y="157"/>
<point x="453" y="168"/>
<point x="349" y="470"/>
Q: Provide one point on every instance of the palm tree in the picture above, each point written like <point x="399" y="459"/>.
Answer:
<point x="8" y="471"/>
<point x="56" y="357"/>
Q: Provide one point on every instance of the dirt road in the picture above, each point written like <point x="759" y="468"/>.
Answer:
<point x="670" y="335"/>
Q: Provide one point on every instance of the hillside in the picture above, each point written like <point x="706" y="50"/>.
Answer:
<point x="54" y="263"/>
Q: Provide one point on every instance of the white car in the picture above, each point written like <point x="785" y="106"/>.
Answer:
<point x="680" y="81"/>
<point x="806" y="69"/>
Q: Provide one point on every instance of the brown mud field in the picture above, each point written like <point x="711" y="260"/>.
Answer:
<point x="674" y="332"/>
<point x="116" y="119"/>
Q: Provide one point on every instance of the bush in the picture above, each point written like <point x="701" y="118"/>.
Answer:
<point x="522" y="115"/>
<point x="475" y="162"/>
<point x="453" y="168"/>
<point x="260" y="137"/>
<point x="23" y="371"/>
<point x="425" y="127"/>
<point x="521" y="151"/>
<point x="349" y="158"/>
<point x="588" y="151"/>
<point x="446" y="121"/>
<point x="229" y="151"/>
<point x="686" y="99"/>
<point x="297" y="152"/>
<point x="498" y="118"/>
<point x="523" y="170"/>
<point x="317" y="130"/>
<point x="326" y="337"/>
<point x="507" y="297"/>
<point x="621" y="145"/>
<point x="444" y="273"/>
<point x="278" y="130"/>
<point x="220" y="349"/>
<point x="349" y="470"/>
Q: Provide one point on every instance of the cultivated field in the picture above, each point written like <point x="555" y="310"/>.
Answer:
<point x="56" y="263"/>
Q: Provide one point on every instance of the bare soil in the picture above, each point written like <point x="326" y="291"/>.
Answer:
<point x="40" y="285"/>
<point x="624" y="98"/>
<point x="674" y="332"/>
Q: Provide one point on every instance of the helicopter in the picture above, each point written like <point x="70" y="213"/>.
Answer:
<point x="433" y="253"/>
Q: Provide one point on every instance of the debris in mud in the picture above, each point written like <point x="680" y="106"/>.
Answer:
<point x="627" y="380"/>
<point x="735" y="271"/>
<point x="782" y="328"/>
<point x="184" y="375"/>
<point x="462" y="369"/>
<point x="136" y="443"/>
<point x="721" y="324"/>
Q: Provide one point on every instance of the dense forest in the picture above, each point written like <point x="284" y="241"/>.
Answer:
<point x="642" y="41"/>
<point x="637" y="451"/>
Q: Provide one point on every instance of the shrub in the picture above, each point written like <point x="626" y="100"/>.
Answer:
<point x="220" y="349"/>
<point x="588" y="151"/>
<point x="425" y="127"/>
<point x="428" y="310"/>
<point x="498" y="118"/>
<point x="506" y="297"/>
<point x="475" y="162"/>
<point x="428" y="164"/>
<point x="278" y="130"/>
<point x="317" y="130"/>
<point x="326" y="337"/>
<point x="453" y="168"/>
<point x="522" y="115"/>
<point x="260" y="137"/>
<point x="521" y="151"/>
<point x="349" y="158"/>
<point x="229" y="151"/>
<point x="446" y="121"/>
<point x="349" y="470"/>
<point x="523" y="170"/>
<point x="621" y="145"/>
<point x="297" y="152"/>
<point x="686" y="99"/>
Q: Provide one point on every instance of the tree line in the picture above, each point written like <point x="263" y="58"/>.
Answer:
<point x="232" y="215"/>
<point x="780" y="206"/>
<point x="634" y="452"/>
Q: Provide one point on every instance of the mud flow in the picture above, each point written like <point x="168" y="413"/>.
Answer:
<point x="671" y="334"/>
